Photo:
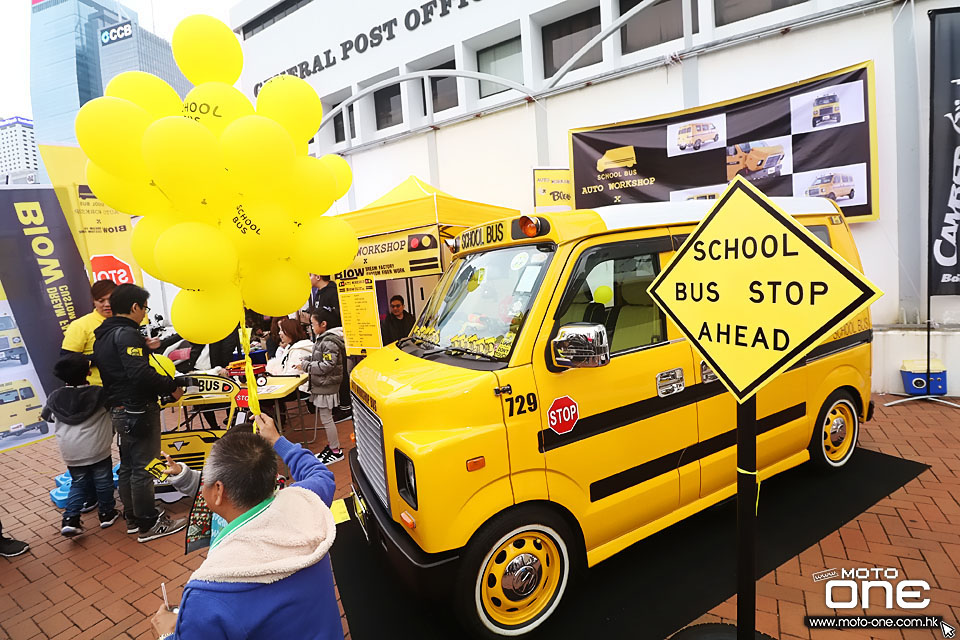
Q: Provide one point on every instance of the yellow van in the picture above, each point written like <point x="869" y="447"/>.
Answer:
<point x="754" y="160"/>
<point x="704" y="196"/>
<point x="619" y="157"/>
<point x="11" y="343"/>
<point x="833" y="186"/>
<point x="696" y="134"/>
<point x="20" y="410"/>
<point x="826" y="108"/>
<point x="544" y="414"/>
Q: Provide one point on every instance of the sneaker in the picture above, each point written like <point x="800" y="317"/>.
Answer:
<point x="164" y="526"/>
<point x="342" y="413"/>
<point x="107" y="519"/>
<point x="10" y="547"/>
<point x="88" y="506"/>
<point x="71" y="526"/>
<point x="133" y="527"/>
<point x="328" y="456"/>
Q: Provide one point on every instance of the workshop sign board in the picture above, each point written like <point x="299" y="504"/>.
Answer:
<point x="754" y="291"/>
<point x="815" y="137"/>
<point x="398" y="254"/>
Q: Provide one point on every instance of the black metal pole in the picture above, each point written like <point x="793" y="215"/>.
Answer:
<point x="746" y="518"/>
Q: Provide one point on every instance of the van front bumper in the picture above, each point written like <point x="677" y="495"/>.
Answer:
<point x="431" y="574"/>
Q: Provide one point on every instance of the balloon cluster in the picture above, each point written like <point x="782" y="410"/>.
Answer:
<point x="233" y="205"/>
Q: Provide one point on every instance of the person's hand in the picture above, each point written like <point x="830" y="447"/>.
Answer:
<point x="177" y="393"/>
<point x="267" y="428"/>
<point x="153" y="343"/>
<point x="174" y="468"/>
<point x="164" y="621"/>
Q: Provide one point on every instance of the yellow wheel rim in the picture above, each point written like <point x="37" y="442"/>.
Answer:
<point x="839" y="429"/>
<point x="520" y="578"/>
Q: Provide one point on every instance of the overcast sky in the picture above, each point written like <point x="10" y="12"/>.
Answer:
<point x="159" y="16"/>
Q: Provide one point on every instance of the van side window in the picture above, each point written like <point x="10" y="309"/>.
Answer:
<point x="26" y="393"/>
<point x="822" y="233"/>
<point x="609" y="286"/>
<point x="8" y="396"/>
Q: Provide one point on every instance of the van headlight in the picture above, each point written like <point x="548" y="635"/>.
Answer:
<point x="406" y="478"/>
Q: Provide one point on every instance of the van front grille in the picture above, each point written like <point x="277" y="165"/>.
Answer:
<point x="369" y="430"/>
<point x="825" y="111"/>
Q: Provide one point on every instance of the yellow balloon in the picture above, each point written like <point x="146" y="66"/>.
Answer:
<point x="215" y="105"/>
<point x="341" y="172"/>
<point x="110" y="131"/>
<point x="183" y="157"/>
<point x="128" y="196"/>
<point x="258" y="154"/>
<point x="193" y="255"/>
<point x="146" y="90"/>
<point x="325" y="245"/>
<point x="603" y="294"/>
<point x="276" y="288"/>
<point x="144" y="238"/>
<point x="163" y="365"/>
<point x="206" y="50"/>
<point x="256" y="227"/>
<point x="309" y="191"/>
<point x="293" y="103"/>
<point x="207" y="316"/>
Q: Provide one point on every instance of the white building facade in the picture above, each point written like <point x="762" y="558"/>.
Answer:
<point x="480" y="140"/>
<point x="18" y="151"/>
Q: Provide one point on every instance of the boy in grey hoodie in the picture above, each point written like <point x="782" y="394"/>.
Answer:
<point x="84" y="432"/>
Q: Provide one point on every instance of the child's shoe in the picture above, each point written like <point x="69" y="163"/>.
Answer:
<point x="107" y="519"/>
<point x="71" y="526"/>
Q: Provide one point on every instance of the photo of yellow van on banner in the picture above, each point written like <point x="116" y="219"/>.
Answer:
<point x="399" y="254"/>
<point x="816" y="137"/>
<point x="552" y="190"/>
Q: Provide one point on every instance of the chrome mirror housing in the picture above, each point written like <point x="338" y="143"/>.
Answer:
<point x="581" y="344"/>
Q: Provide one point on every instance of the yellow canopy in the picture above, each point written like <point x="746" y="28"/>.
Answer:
<point x="414" y="203"/>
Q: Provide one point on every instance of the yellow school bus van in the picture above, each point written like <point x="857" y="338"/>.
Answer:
<point x="833" y="186"/>
<point x="615" y="158"/>
<point x="544" y="414"/>
<point x="696" y="134"/>
<point x="704" y="196"/>
<point x="754" y="160"/>
<point x="826" y="108"/>
<point x="11" y="342"/>
<point x="20" y="410"/>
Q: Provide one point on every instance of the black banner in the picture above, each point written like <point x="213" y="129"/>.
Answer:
<point x="42" y="273"/>
<point x="943" y="272"/>
<point x="814" y="137"/>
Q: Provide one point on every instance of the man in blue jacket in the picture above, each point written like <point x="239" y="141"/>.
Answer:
<point x="267" y="574"/>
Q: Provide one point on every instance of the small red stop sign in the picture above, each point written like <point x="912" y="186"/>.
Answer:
<point x="563" y="415"/>
<point x="110" y="267"/>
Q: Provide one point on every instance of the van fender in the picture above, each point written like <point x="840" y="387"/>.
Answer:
<point x="843" y="376"/>
<point x="478" y="508"/>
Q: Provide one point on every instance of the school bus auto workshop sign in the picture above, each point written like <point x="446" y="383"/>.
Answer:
<point x="754" y="291"/>
<point x="400" y="254"/>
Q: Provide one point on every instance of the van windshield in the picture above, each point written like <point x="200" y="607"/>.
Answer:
<point x="6" y="322"/>
<point x="825" y="99"/>
<point x="823" y="180"/>
<point x="7" y="397"/>
<point x="480" y="305"/>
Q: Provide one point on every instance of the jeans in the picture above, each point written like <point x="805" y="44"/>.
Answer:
<point x="135" y="482"/>
<point x="91" y="479"/>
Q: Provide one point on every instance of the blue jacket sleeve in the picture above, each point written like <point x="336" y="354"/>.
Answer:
<point x="308" y="472"/>
<point x="203" y="616"/>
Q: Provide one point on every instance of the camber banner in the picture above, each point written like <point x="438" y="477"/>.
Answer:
<point x="816" y="137"/>
<point x="399" y="254"/>
<point x="101" y="233"/>
<point x="552" y="190"/>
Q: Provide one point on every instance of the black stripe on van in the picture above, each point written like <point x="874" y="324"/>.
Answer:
<point x="628" y="478"/>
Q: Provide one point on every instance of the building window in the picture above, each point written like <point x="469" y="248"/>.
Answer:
<point x="443" y="90"/>
<point x="338" y="132"/>
<point x="728" y="11"/>
<point x="261" y="22"/>
<point x="387" y="105"/>
<point x="564" y="38"/>
<point x="661" y="22"/>
<point x="504" y="60"/>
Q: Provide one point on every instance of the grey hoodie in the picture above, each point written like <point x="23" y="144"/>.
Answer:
<point x="83" y="426"/>
<point x="325" y="364"/>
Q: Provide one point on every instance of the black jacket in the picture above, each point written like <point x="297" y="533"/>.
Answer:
<point x="393" y="329"/>
<point x="325" y="298"/>
<point x="122" y="356"/>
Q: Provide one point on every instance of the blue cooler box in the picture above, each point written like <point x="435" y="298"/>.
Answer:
<point x="914" y="375"/>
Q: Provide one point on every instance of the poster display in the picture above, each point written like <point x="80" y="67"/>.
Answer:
<point x="400" y="254"/>
<point x="943" y="270"/>
<point x="358" y="312"/>
<point x="101" y="233"/>
<point x="816" y="137"/>
<point x="552" y="190"/>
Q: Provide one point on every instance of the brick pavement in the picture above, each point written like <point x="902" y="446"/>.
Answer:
<point x="106" y="585"/>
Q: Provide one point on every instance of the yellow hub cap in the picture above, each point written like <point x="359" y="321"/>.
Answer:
<point x="838" y="431"/>
<point x="521" y="578"/>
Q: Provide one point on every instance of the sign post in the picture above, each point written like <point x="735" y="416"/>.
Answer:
<point x="754" y="291"/>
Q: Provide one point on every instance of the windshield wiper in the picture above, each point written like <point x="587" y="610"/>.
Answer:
<point x="402" y="340"/>
<point x="457" y="350"/>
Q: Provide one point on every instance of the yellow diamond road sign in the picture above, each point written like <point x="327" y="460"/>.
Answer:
<point x="754" y="291"/>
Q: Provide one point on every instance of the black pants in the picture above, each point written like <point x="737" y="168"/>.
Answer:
<point x="135" y="482"/>
<point x="345" y="386"/>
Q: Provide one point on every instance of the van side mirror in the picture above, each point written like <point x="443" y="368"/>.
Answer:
<point x="581" y="344"/>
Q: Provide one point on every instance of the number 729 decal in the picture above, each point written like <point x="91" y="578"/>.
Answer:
<point x="521" y="404"/>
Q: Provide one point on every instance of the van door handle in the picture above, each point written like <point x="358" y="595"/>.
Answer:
<point x="670" y="382"/>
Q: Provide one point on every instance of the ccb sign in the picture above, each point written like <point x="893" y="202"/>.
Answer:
<point x="116" y="33"/>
